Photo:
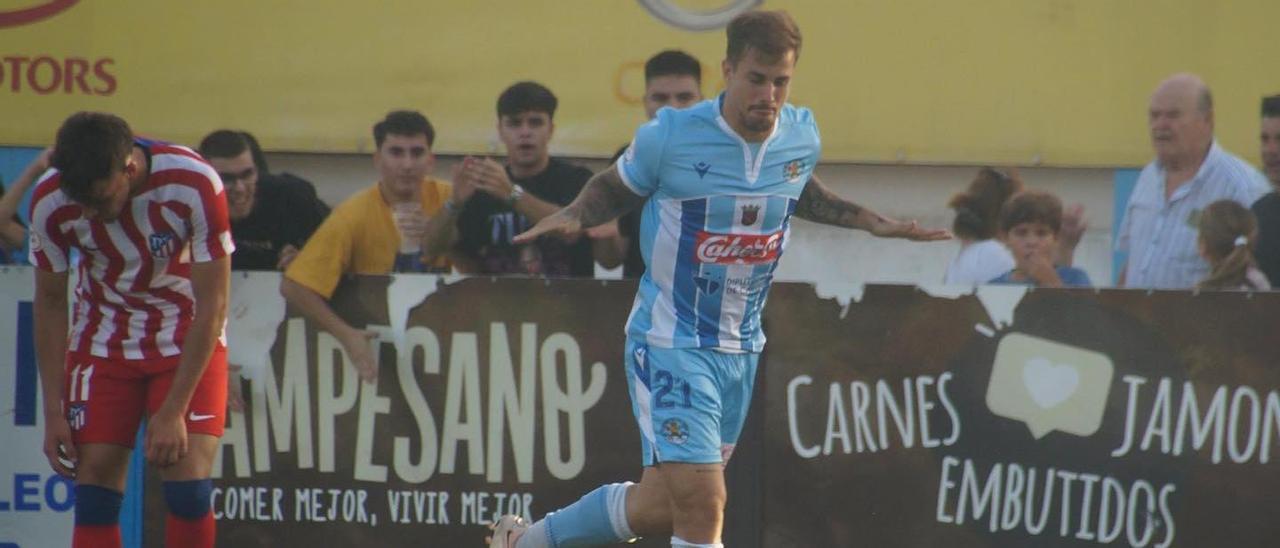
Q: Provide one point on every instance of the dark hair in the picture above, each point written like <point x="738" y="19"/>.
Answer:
<point x="1031" y="206"/>
<point x="772" y="33"/>
<point x="1222" y="224"/>
<point x="1271" y="106"/>
<point x="224" y="143"/>
<point x="672" y="62"/>
<point x="229" y="143"/>
<point x="526" y="97"/>
<point x="90" y="146"/>
<point x="978" y="207"/>
<point x="403" y="122"/>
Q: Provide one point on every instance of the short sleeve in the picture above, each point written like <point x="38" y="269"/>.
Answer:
<point x="326" y="256"/>
<point x="48" y="247"/>
<point x="639" y="165"/>
<point x="210" y="222"/>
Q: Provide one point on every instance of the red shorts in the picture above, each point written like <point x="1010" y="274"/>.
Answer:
<point x="106" y="398"/>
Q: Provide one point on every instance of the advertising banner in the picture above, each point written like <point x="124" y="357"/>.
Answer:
<point x="1016" y="418"/>
<point x="492" y="397"/>
<point x="912" y="81"/>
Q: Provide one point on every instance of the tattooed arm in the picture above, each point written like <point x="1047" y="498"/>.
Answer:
<point x="603" y="199"/>
<point x="820" y="205"/>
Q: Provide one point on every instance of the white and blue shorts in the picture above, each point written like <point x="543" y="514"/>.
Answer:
<point x="690" y="403"/>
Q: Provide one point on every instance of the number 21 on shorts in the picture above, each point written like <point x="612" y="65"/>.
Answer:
<point x="670" y="391"/>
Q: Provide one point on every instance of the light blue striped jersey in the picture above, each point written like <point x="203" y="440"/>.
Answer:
<point x="716" y="222"/>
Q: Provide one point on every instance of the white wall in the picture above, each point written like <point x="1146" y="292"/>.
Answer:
<point x="821" y="253"/>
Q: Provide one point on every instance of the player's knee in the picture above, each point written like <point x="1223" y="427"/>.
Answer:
<point x="97" y="505"/>
<point x="188" y="499"/>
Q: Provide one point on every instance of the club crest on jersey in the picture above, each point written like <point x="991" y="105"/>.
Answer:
<point x="793" y="170"/>
<point x="77" y="415"/>
<point x="750" y="213"/>
<point x="163" y="245"/>
<point x="676" y="431"/>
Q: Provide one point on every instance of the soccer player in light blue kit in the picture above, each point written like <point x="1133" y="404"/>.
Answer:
<point x="719" y="183"/>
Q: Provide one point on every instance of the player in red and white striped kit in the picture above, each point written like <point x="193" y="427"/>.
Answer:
<point x="149" y="222"/>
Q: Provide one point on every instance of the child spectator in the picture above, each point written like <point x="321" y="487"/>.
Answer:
<point x="981" y="257"/>
<point x="1228" y="234"/>
<point x="1029" y="225"/>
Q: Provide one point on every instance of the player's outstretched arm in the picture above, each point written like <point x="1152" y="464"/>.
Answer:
<point x="166" y="438"/>
<point x="603" y="199"/>
<point x="820" y="205"/>
<point x="51" y="350"/>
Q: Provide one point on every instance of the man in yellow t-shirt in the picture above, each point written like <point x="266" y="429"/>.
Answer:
<point x="378" y="230"/>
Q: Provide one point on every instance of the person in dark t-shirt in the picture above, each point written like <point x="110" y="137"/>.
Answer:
<point x="493" y="202"/>
<point x="272" y="215"/>
<point x="1267" y="208"/>
<point x="672" y="78"/>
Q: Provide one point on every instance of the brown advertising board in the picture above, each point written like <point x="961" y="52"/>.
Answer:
<point x="1116" y="417"/>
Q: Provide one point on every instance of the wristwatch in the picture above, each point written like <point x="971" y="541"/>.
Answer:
<point x="516" y="192"/>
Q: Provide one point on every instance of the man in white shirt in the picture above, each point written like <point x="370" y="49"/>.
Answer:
<point x="1190" y="171"/>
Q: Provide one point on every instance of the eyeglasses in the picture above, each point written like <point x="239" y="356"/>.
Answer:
<point x="243" y="176"/>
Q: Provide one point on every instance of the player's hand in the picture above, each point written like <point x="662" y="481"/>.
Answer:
<point x="166" y="440"/>
<point x="356" y="343"/>
<point x="58" y="447"/>
<point x="908" y="230"/>
<point x="287" y="254"/>
<point x="235" y="396"/>
<point x="558" y="224"/>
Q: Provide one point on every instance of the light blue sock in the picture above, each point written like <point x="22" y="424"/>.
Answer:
<point x="677" y="542"/>
<point x="599" y="517"/>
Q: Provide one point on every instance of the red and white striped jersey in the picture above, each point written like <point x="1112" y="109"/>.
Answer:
<point x="134" y="300"/>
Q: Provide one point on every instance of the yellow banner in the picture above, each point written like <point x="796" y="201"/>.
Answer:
<point x="1061" y="82"/>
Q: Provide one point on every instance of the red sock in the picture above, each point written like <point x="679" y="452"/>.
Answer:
<point x="96" y="536"/>
<point x="189" y="533"/>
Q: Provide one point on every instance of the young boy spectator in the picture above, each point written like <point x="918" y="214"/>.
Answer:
<point x="672" y="78"/>
<point x="366" y="233"/>
<point x="511" y="198"/>
<point x="1029" y="225"/>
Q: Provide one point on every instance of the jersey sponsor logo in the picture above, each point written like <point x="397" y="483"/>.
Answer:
<point x="77" y="415"/>
<point x="738" y="248"/>
<point x="750" y="213"/>
<point x="163" y="245"/>
<point x="793" y="170"/>
<point x="702" y="168"/>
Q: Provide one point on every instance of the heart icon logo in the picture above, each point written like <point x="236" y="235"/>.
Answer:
<point x="1049" y="384"/>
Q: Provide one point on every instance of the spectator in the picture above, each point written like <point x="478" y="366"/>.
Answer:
<point x="271" y="215"/>
<point x="1267" y="209"/>
<point x="376" y="231"/>
<point x="531" y="186"/>
<point x="13" y="235"/>
<point x="1190" y="171"/>
<point x="1029" y="226"/>
<point x="672" y="78"/>
<point x="977" y="223"/>
<point x="1228" y="234"/>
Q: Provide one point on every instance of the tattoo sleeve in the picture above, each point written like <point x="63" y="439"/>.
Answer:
<point x="820" y="205"/>
<point x="604" y="198"/>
